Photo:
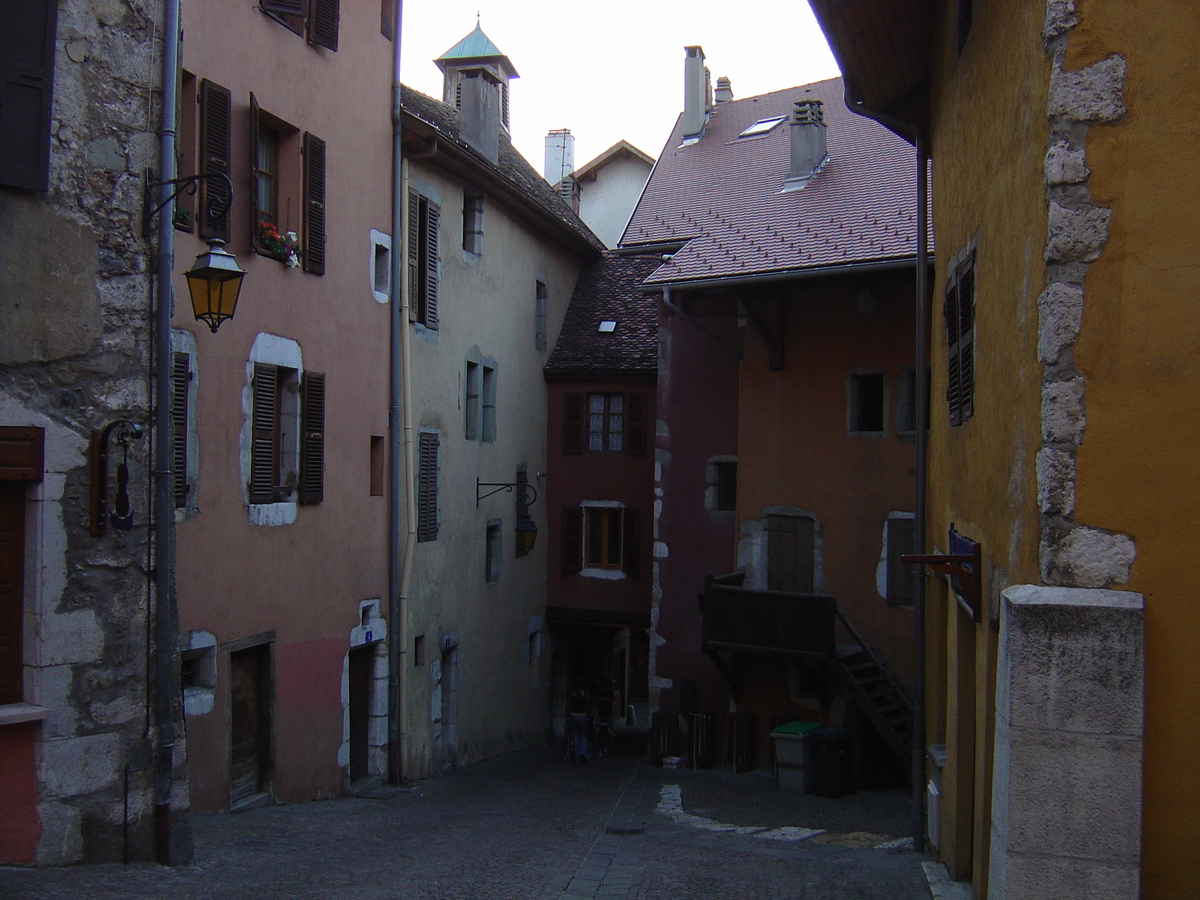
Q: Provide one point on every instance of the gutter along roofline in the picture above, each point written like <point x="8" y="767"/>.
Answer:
<point x="889" y="265"/>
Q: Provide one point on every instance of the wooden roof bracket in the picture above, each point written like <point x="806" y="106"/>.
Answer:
<point x="964" y="569"/>
<point x="772" y="338"/>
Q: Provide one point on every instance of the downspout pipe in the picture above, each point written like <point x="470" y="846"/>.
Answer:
<point x="400" y="480"/>
<point x="164" y="516"/>
<point x="920" y="478"/>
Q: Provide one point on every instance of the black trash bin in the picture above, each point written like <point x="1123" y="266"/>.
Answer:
<point x="832" y="752"/>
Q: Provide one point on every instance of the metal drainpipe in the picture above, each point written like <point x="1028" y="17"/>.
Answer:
<point x="919" y="511"/>
<point x="399" y="440"/>
<point x="164" y="625"/>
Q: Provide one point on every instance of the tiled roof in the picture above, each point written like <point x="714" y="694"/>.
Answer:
<point x="610" y="289"/>
<point x="513" y="172"/>
<point x="722" y="195"/>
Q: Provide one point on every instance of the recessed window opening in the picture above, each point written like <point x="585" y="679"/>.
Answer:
<point x="495" y="550"/>
<point x="382" y="269"/>
<point x="539" y="317"/>
<point x="471" y="406"/>
<point x="726" y="485"/>
<point x="489" y="404"/>
<point x="419" y="650"/>
<point x="762" y="126"/>
<point x="867" y="402"/>
<point x="473" y="222"/>
<point x="604" y="538"/>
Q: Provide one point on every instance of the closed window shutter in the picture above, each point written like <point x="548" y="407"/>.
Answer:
<point x="427" y="498"/>
<point x="572" y="539"/>
<point x="630" y="542"/>
<point x="216" y="128"/>
<point x="180" y="382"/>
<point x="283" y="7"/>
<point x="899" y="574"/>
<point x="414" y="256"/>
<point x="264" y="427"/>
<point x="314" y="204"/>
<point x="966" y="338"/>
<point x="323" y="18"/>
<point x="432" y="218"/>
<point x="790" y="554"/>
<point x="312" y="443"/>
<point x="255" y="200"/>
<point x="635" y="425"/>
<point x="573" y="424"/>
<point x="26" y="92"/>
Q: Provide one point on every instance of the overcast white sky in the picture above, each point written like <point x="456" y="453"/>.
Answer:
<point x="613" y="69"/>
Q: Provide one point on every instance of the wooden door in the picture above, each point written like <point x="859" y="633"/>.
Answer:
<point x="12" y="577"/>
<point x="790" y="554"/>
<point x="249" y="722"/>
<point x="361" y="665"/>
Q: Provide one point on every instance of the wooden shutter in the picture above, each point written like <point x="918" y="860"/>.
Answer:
<point x="630" y="542"/>
<point x="181" y="376"/>
<point x="283" y="7"/>
<point x="573" y="421"/>
<point x="26" y="91"/>
<point x="635" y="424"/>
<point x="12" y="557"/>
<point x="255" y="200"/>
<point x="414" y="256"/>
<point x="264" y="428"/>
<point x="216" y="128"/>
<point x="790" y="553"/>
<point x="433" y="216"/>
<point x="900" y="534"/>
<point x="427" y="494"/>
<point x="323" y="16"/>
<point x="959" y="312"/>
<point x="314" y="204"/>
<point x="572" y="539"/>
<point x="312" y="437"/>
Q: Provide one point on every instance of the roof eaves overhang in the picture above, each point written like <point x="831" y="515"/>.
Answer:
<point x="463" y="162"/>
<point x="884" y="49"/>
<point x="839" y="271"/>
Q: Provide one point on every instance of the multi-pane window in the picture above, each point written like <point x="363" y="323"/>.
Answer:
<point x="480" y="402"/>
<point x="606" y="422"/>
<point x="424" y="217"/>
<point x="266" y="176"/>
<point x="287" y="442"/>
<point x="600" y="537"/>
<point x="539" y="317"/>
<point x="959" y="313"/>
<point x="473" y="222"/>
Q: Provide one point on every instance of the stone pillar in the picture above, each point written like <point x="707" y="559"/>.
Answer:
<point x="1067" y="778"/>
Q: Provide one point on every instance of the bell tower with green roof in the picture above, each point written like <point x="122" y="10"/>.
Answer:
<point x="474" y="52"/>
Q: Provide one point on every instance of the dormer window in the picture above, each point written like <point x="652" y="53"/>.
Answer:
<point x="762" y="126"/>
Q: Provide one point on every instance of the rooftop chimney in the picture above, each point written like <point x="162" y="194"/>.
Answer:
<point x="724" y="90"/>
<point x="808" y="144"/>
<point x="560" y="155"/>
<point x="695" y="93"/>
<point x="479" y="112"/>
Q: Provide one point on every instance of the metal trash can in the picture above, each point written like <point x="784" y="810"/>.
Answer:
<point x="793" y="756"/>
<point x="664" y="736"/>
<point x="832" y="753"/>
<point x="703" y="740"/>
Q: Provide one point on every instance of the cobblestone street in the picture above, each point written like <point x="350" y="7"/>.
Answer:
<point x="529" y="825"/>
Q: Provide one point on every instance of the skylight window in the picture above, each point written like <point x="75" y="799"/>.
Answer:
<point x="607" y="326"/>
<point x="762" y="126"/>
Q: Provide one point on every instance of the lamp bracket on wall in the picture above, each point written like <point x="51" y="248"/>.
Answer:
<point x="499" y="486"/>
<point x="121" y="514"/>
<point x="217" y="205"/>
